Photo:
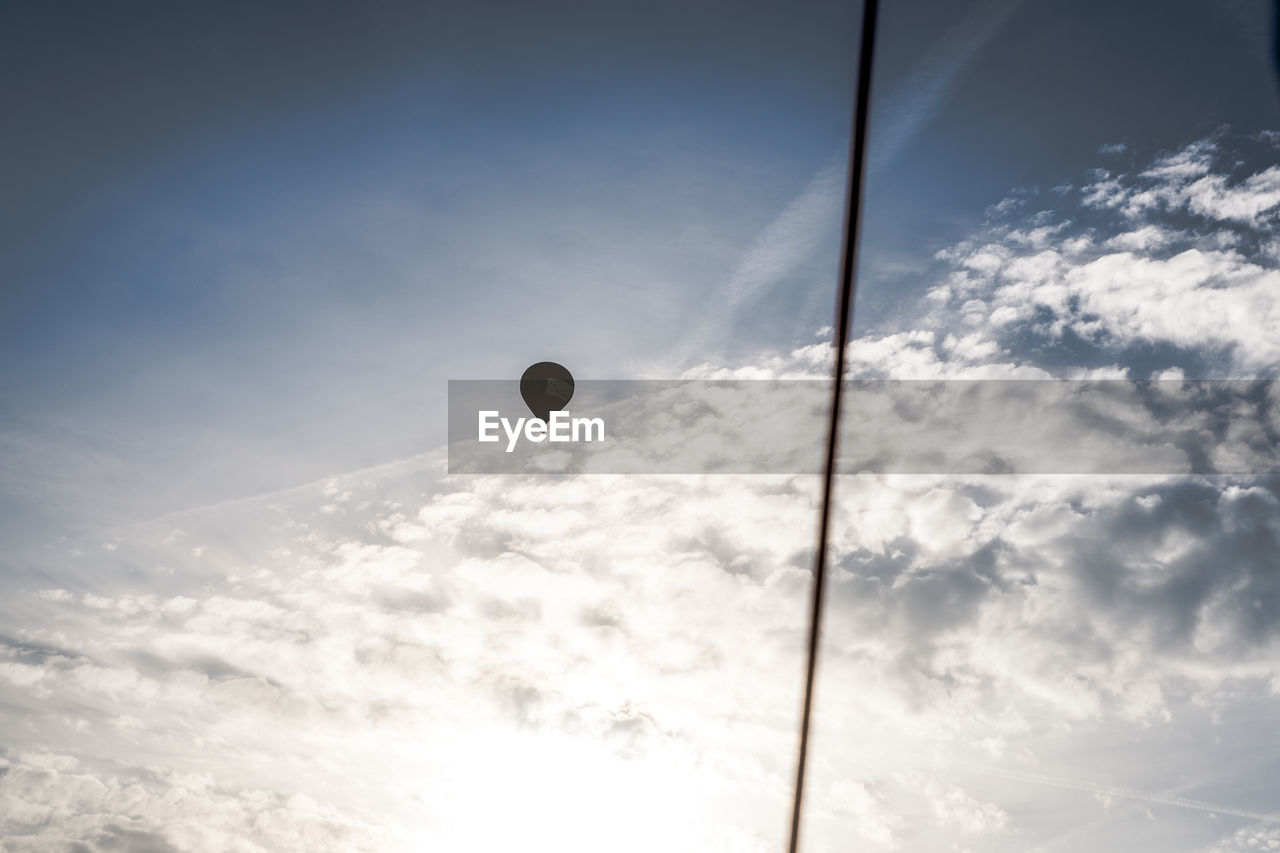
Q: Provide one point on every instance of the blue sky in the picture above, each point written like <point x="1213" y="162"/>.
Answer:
<point x="244" y="248"/>
<point x="249" y="229"/>
<point x="262" y="230"/>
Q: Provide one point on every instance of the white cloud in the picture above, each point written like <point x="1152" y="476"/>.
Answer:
<point x="954" y="808"/>
<point x="1251" y="840"/>
<point x="1141" y="278"/>
<point x="398" y="660"/>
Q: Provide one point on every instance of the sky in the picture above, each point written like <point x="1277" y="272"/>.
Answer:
<point x="245" y="607"/>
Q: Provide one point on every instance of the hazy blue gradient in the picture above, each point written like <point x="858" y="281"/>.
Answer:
<point x="243" y="247"/>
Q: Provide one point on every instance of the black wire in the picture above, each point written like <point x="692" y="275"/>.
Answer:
<point x="844" y="319"/>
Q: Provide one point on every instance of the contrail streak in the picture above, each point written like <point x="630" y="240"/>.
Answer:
<point x="419" y="460"/>
<point x="1129" y="793"/>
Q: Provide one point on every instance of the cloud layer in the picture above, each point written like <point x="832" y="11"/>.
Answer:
<point x="402" y="660"/>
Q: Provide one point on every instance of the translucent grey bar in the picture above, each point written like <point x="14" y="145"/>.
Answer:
<point x="889" y="427"/>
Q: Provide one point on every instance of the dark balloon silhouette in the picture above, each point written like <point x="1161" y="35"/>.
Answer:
<point x="546" y="387"/>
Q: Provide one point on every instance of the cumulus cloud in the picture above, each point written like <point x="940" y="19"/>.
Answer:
<point x="1173" y="261"/>
<point x="375" y="677"/>
<point x="1258" y="839"/>
<point x="403" y="660"/>
<point x="1025" y="619"/>
<point x="497" y="663"/>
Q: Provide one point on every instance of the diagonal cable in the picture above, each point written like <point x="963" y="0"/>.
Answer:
<point x="844" y="321"/>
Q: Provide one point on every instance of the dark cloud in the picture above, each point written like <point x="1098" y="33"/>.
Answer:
<point x="1177" y="573"/>
<point x="118" y="838"/>
<point x="34" y="653"/>
<point x="1226" y="578"/>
